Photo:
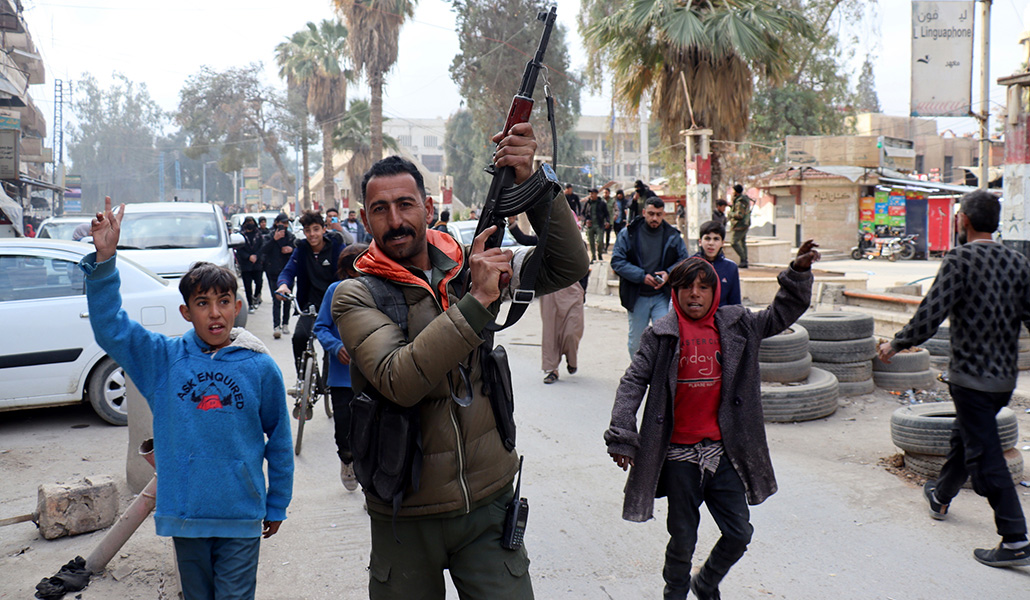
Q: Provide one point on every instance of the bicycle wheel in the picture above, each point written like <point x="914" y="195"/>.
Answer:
<point x="306" y="392"/>
<point x="324" y="387"/>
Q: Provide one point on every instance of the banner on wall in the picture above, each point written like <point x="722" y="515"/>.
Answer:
<point x="867" y="214"/>
<point x="896" y="210"/>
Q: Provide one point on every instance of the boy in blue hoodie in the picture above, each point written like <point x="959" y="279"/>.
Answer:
<point x="216" y="395"/>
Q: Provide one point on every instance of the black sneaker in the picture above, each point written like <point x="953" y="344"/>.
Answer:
<point x="703" y="593"/>
<point x="938" y="511"/>
<point x="1003" y="557"/>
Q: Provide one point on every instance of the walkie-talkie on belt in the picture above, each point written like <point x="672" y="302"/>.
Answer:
<point x="515" y="520"/>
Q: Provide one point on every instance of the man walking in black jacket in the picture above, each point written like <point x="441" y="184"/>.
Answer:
<point x="983" y="288"/>
<point x="279" y="245"/>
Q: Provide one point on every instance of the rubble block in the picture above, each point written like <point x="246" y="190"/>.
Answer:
<point x="71" y="509"/>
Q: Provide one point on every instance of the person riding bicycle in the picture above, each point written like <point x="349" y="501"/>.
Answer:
<point x="340" y="390"/>
<point x="313" y="266"/>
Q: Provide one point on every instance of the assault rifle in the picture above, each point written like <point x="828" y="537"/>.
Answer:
<point x="504" y="199"/>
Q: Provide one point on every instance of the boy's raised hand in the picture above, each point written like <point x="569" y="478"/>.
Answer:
<point x="105" y="229"/>
<point x="807" y="254"/>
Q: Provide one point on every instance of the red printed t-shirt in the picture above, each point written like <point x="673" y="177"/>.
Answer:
<point x="698" y="377"/>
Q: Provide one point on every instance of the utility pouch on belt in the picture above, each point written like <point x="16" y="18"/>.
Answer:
<point x="386" y="440"/>
<point x="497" y="387"/>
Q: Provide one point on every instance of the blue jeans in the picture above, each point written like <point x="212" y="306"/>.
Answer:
<point x="646" y="310"/>
<point x="217" y="568"/>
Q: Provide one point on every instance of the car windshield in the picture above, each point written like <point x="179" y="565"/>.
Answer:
<point x="169" y="230"/>
<point x="58" y="231"/>
<point x="467" y="231"/>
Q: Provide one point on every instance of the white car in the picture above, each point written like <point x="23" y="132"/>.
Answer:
<point x="236" y="221"/>
<point x="61" y="228"/>
<point x="48" y="356"/>
<point x="168" y="237"/>
<point x="465" y="233"/>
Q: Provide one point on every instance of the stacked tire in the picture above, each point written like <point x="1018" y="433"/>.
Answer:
<point x="791" y="389"/>
<point x="939" y="347"/>
<point x="842" y="343"/>
<point x="784" y="358"/>
<point x="923" y="431"/>
<point x="908" y="370"/>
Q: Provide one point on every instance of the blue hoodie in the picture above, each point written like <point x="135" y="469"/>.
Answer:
<point x="212" y="413"/>
<point x="329" y="337"/>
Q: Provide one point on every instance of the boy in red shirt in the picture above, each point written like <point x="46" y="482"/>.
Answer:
<point x="702" y="433"/>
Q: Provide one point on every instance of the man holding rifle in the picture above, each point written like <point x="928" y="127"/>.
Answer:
<point x="454" y="516"/>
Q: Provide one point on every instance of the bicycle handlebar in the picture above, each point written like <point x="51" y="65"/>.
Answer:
<point x="310" y="312"/>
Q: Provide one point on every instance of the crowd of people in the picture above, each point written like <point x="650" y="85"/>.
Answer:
<point x="423" y="420"/>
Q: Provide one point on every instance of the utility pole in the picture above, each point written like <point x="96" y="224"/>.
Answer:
<point x="985" y="82"/>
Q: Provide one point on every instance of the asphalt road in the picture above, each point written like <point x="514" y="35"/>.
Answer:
<point x="840" y="527"/>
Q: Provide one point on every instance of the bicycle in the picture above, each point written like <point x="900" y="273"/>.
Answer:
<point x="311" y="382"/>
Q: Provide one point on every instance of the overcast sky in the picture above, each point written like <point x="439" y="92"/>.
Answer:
<point x="162" y="44"/>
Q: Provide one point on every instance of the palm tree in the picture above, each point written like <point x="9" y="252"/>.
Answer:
<point x="354" y="133"/>
<point x="375" y="27"/>
<point x="713" y="48"/>
<point x="292" y="69"/>
<point x="317" y="60"/>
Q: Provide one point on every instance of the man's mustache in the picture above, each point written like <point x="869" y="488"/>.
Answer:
<point x="399" y="232"/>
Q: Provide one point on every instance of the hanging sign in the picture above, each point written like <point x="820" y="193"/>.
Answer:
<point x="942" y="58"/>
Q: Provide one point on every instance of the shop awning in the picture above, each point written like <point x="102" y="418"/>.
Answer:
<point x="39" y="183"/>
<point x="927" y="185"/>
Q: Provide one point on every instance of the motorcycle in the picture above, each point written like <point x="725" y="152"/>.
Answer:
<point x="869" y="246"/>
<point x="908" y="246"/>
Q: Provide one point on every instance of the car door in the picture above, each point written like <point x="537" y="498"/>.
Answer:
<point x="48" y="340"/>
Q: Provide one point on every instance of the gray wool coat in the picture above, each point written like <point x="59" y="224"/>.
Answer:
<point x="653" y="373"/>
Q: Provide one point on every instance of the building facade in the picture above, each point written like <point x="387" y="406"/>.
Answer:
<point x="23" y="128"/>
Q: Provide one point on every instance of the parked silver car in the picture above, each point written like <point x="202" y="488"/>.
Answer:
<point x="61" y="228"/>
<point x="48" y="356"/>
<point x="168" y="237"/>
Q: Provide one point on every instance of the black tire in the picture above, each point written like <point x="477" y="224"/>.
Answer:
<point x="848" y="372"/>
<point x="835" y="326"/>
<point x="786" y="372"/>
<point x="908" y="252"/>
<point x="788" y="346"/>
<point x="856" y="388"/>
<point x="926" y="428"/>
<point x="844" y="351"/>
<point x="929" y="466"/>
<point x="814" y="398"/>
<point x="307" y="390"/>
<point x="904" y="362"/>
<point x="856" y="254"/>
<point x="937" y="347"/>
<point x="899" y="382"/>
<point x="106" y="392"/>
